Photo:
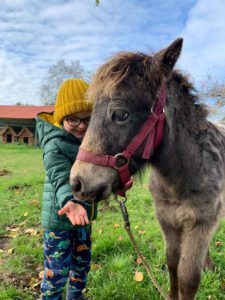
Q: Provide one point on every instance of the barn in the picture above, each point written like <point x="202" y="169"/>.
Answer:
<point x="17" y="123"/>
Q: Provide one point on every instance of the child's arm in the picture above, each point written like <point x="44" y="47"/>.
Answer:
<point x="75" y="212"/>
<point x="58" y="165"/>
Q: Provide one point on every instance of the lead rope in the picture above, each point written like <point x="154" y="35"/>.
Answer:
<point x="136" y="248"/>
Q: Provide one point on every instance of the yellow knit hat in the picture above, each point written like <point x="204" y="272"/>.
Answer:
<point x="71" y="99"/>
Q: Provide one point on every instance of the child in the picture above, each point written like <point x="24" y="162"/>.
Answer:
<point x="67" y="228"/>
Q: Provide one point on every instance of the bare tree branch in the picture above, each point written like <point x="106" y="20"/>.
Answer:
<point x="56" y="75"/>
<point x="213" y="90"/>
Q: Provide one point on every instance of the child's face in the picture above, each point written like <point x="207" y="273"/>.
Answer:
<point x="77" y="124"/>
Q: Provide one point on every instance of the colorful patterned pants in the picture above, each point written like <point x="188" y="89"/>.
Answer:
<point x="67" y="257"/>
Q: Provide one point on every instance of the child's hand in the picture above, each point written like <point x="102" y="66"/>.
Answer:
<point x="75" y="212"/>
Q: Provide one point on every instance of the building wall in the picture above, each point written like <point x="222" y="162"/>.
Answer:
<point x="22" y="136"/>
<point x="9" y="137"/>
<point x="26" y="136"/>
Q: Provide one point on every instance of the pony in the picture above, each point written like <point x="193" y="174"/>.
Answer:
<point x="187" y="162"/>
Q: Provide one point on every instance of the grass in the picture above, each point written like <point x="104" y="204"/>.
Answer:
<point x="114" y="261"/>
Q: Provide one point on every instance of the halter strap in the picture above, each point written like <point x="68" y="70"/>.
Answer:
<point x="152" y="130"/>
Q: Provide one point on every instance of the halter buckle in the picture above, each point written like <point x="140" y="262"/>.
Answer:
<point x="120" y="155"/>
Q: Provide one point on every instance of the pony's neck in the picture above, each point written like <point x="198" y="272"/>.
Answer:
<point x="179" y="153"/>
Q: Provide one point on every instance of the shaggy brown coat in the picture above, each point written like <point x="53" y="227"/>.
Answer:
<point x="188" y="167"/>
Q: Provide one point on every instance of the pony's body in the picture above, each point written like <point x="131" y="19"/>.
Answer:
<point x="189" y="206"/>
<point x="188" y="167"/>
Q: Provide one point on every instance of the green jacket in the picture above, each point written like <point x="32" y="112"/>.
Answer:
<point x="60" y="149"/>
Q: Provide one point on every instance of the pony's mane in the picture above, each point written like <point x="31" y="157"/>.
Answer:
<point x="183" y="81"/>
<point x="124" y="64"/>
<point x="116" y="69"/>
<point x="191" y="101"/>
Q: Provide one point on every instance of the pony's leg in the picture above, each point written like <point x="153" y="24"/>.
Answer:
<point x="172" y="238"/>
<point x="194" y="249"/>
<point x="208" y="264"/>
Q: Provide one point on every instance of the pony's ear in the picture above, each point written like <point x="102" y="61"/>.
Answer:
<point x="166" y="58"/>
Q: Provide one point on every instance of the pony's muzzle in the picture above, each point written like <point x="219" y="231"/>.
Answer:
<point x="78" y="188"/>
<point x="76" y="184"/>
<point x="82" y="192"/>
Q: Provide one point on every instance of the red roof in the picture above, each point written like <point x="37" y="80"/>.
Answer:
<point x="23" y="111"/>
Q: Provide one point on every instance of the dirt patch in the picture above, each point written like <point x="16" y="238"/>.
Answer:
<point x="23" y="282"/>
<point x="4" y="172"/>
<point x="3" y="242"/>
<point x="106" y="206"/>
<point x="19" y="187"/>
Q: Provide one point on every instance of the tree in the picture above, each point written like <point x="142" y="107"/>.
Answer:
<point x="56" y="75"/>
<point x="23" y="103"/>
<point x="213" y="90"/>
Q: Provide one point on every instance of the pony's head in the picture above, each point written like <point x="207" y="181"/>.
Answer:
<point x="124" y="91"/>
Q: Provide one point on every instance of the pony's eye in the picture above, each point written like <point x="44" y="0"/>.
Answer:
<point x="120" y="115"/>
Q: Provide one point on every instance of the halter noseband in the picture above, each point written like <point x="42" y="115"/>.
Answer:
<point x="152" y="129"/>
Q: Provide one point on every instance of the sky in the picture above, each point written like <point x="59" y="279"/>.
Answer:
<point x="34" y="35"/>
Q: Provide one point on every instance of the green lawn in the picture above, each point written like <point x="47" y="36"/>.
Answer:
<point x="114" y="261"/>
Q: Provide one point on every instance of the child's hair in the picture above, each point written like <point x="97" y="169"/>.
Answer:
<point x="71" y="98"/>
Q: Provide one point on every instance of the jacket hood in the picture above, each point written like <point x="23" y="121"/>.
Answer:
<point x="48" y="129"/>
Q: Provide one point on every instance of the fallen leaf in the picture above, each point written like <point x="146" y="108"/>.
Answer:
<point x="41" y="274"/>
<point x="25" y="214"/>
<point x="14" y="229"/>
<point x="116" y="225"/>
<point x="136" y="227"/>
<point x="10" y="251"/>
<point x="11" y="235"/>
<point x="138" y="276"/>
<point x="34" y="282"/>
<point x="22" y="223"/>
<point x="139" y="260"/>
<point x="95" y="266"/>
<point x="141" y="231"/>
<point x="120" y="238"/>
<point x="31" y="231"/>
<point x="100" y="230"/>
<point x="218" y="244"/>
<point x="34" y="202"/>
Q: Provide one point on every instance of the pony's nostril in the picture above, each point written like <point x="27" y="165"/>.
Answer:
<point x="76" y="185"/>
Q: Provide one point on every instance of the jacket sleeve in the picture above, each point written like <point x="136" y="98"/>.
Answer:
<point x="57" y="165"/>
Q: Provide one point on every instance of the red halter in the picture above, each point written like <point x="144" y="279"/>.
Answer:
<point x="152" y="129"/>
